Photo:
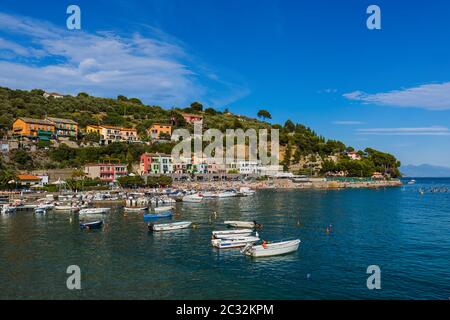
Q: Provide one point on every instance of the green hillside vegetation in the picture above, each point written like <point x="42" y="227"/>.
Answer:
<point x="298" y="140"/>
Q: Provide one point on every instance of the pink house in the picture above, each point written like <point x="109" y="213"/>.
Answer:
<point x="192" y="118"/>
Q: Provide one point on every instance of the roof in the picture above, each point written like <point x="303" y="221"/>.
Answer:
<point x="191" y="115"/>
<point x="28" y="177"/>
<point x="113" y="127"/>
<point x="36" y="121"/>
<point x="161" y="124"/>
<point x="104" y="164"/>
<point x="61" y="120"/>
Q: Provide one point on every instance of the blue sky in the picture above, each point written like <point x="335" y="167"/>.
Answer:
<point x="314" y="62"/>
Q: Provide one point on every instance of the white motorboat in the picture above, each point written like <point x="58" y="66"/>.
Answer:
<point x="226" y="194"/>
<point x="94" y="211"/>
<point x="241" y="224"/>
<point x="271" y="249"/>
<point x="135" y="209"/>
<point x="40" y="210"/>
<point x="169" y="226"/>
<point x="234" y="236"/>
<point x="195" y="198"/>
<point x="7" y="209"/>
<point x="241" y="232"/>
<point x="66" y="208"/>
<point x="163" y="209"/>
<point x="246" y="191"/>
<point x="234" y="243"/>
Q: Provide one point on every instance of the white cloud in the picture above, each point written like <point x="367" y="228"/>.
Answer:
<point x="417" y="131"/>
<point x="155" y="68"/>
<point x="347" y="122"/>
<point x="427" y="96"/>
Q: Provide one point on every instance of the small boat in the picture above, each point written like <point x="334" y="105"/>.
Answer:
<point x="94" y="211"/>
<point x="411" y="181"/>
<point x="271" y="249"/>
<point x="227" y="194"/>
<point x="227" y="233"/>
<point x="135" y="209"/>
<point x="167" y="214"/>
<point x="246" y="191"/>
<point x="92" y="225"/>
<point x="7" y="209"/>
<point x="163" y="209"/>
<point x="40" y="210"/>
<point x="243" y="224"/>
<point x="234" y="243"/>
<point x="234" y="236"/>
<point x="195" y="198"/>
<point x="169" y="226"/>
<point x="66" y="208"/>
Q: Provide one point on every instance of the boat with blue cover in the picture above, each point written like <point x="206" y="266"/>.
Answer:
<point x="167" y="214"/>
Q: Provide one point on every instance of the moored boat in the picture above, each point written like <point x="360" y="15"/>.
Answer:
<point x="243" y="224"/>
<point x="234" y="243"/>
<point x="166" y="214"/>
<point x="195" y="198"/>
<point x="221" y="233"/>
<point x="92" y="225"/>
<point x="7" y="209"/>
<point x="94" y="211"/>
<point x="271" y="249"/>
<point x="169" y="226"/>
<point x="163" y="209"/>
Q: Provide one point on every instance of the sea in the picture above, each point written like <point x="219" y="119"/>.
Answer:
<point x="403" y="231"/>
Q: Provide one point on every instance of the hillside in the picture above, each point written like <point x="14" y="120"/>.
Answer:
<point x="303" y="150"/>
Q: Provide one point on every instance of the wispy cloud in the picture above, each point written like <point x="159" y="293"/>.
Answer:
<point x="427" y="96"/>
<point x="347" y="122"/>
<point x="418" y="131"/>
<point x="156" y="68"/>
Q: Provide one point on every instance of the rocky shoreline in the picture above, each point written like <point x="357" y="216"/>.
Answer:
<point x="287" y="184"/>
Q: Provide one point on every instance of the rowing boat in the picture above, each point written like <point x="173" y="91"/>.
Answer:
<point x="233" y="243"/>
<point x="92" y="225"/>
<point x="94" y="211"/>
<point x="271" y="249"/>
<point x="163" y="209"/>
<point x="135" y="209"/>
<point x="169" y="226"/>
<point x="241" y="224"/>
<point x="167" y="214"/>
<point x="221" y="233"/>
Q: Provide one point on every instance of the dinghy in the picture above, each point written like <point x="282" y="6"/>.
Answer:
<point x="195" y="198"/>
<point x="92" y="225"/>
<point x="135" y="209"/>
<point x="234" y="243"/>
<point x="167" y="214"/>
<point x="271" y="249"/>
<point x="169" y="226"/>
<point x="94" y="211"/>
<point x="64" y="208"/>
<point x="243" y="224"/>
<point x="7" y="209"/>
<point x="40" y="210"/>
<point x="163" y="209"/>
<point x="241" y="232"/>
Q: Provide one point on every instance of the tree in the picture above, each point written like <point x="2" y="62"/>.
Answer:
<point x="289" y="126"/>
<point x="22" y="160"/>
<point x="196" y="107"/>
<point x="264" y="114"/>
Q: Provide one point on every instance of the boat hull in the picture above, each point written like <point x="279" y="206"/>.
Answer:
<point x="273" y="249"/>
<point x="169" y="226"/>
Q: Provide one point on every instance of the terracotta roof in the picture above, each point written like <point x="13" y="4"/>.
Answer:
<point x="60" y="120"/>
<point x="27" y="177"/>
<point x="36" y="121"/>
<point x="192" y="115"/>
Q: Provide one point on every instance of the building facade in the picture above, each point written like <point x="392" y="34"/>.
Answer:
<point x="29" y="127"/>
<point x="64" y="127"/>
<point x="110" y="134"/>
<point x="192" y="118"/>
<point x="157" y="129"/>
<point x="106" y="172"/>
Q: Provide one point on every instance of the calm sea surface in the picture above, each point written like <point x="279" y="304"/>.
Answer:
<point x="405" y="233"/>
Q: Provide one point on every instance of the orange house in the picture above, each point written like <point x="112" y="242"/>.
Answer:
<point x="157" y="129"/>
<point x="31" y="127"/>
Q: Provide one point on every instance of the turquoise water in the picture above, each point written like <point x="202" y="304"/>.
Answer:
<point x="403" y="232"/>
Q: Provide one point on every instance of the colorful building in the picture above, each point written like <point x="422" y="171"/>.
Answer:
<point x="192" y="118"/>
<point x="28" y="180"/>
<point x="28" y="127"/>
<point x="64" y="127"/>
<point x="110" y="134"/>
<point x="106" y="172"/>
<point x="156" y="164"/>
<point x="157" y="129"/>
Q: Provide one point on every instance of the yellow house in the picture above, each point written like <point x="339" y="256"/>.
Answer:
<point x="93" y="129"/>
<point x="157" y="129"/>
<point x="32" y="127"/>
